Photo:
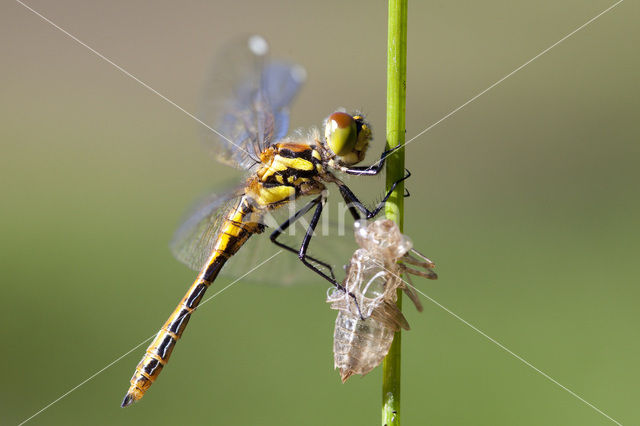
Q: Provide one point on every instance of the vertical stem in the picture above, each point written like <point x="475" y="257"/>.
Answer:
<point x="396" y="104"/>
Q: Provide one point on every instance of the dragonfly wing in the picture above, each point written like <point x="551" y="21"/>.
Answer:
<point x="262" y="262"/>
<point x="282" y="81"/>
<point x="194" y="240"/>
<point x="332" y="243"/>
<point x="246" y="100"/>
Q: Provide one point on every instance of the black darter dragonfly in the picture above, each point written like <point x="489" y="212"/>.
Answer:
<point x="252" y="118"/>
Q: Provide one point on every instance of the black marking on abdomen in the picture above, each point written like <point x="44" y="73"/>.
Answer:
<point x="196" y="296"/>
<point x="153" y="367"/>
<point x="214" y="269"/>
<point x="165" y="347"/>
<point x="178" y="325"/>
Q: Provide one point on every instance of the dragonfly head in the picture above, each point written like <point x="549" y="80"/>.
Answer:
<point x="347" y="136"/>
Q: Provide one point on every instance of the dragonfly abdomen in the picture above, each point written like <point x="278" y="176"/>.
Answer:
<point x="159" y="351"/>
<point x="232" y="236"/>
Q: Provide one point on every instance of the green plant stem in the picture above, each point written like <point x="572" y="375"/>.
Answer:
<point x="396" y="104"/>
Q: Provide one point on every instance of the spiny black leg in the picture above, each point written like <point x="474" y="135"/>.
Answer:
<point x="356" y="206"/>
<point x="407" y="194"/>
<point x="373" y="169"/>
<point x="305" y="244"/>
<point x="302" y="255"/>
<point x="275" y="234"/>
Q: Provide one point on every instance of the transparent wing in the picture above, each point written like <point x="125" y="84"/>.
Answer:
<point x="193" y="241"/>
<point x="333" y="243"/>
<point x="246" y="100"/>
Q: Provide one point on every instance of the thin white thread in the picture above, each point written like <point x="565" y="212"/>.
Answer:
<point x="503" y="347"/>
<point x="86" y="380"/>
<point x="406" y="143"/>
<point x="505" y="77"/>
<point x="138" y="345"/>
<point x="128" y="74"/>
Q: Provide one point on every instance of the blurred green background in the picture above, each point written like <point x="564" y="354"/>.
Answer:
<point x="527" y="199"/>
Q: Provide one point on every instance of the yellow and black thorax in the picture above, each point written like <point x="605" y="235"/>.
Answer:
<point x="289" y="170"/>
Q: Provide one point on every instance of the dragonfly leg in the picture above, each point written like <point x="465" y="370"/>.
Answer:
<point x="302" y="252"/>
<point x="356" y="207"/>
<point x="281" y="228"/>
<point x="373" y="169"/>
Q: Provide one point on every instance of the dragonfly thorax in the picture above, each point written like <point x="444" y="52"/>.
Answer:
<point x="288" y="162"/>
<point x="288" y="170"/>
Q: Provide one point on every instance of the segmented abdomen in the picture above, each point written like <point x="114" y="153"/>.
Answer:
<point x="233" y="234"/>
<point x="159" y="351"/>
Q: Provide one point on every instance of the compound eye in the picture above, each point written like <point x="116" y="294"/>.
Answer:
<point x="341" y="133"/>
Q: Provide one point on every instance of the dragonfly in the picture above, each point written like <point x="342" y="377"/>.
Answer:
<point x="365" y="327"/>
<point x="248" y="108"/>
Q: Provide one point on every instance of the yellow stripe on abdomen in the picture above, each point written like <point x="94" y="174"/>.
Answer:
<point x="232" y="235"/>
